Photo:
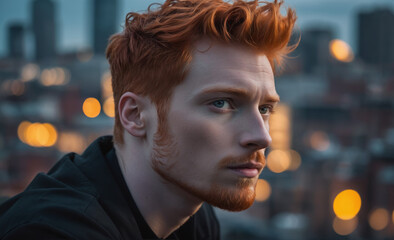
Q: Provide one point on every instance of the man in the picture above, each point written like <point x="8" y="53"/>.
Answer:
<point x="194" y="88"/>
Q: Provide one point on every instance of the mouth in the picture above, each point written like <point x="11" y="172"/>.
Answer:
<point x="249" y="170"/>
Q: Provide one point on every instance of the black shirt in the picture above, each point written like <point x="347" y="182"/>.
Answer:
<point x="86" y="197"/>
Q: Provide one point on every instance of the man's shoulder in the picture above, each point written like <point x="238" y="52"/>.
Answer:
<point x="51" y="204"/>
<point x="64" y="200"/>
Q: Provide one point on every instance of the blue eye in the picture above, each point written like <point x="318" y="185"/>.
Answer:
<point x="265" y="109"/>
<point x="219" y="103"/>
<point x="222" y="104"/>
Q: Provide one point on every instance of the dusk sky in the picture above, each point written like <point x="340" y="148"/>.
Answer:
<point x="74" y="18"/>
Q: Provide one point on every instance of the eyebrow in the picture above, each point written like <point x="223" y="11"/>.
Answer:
<point x="271" y="98"/>
<point x="235" y="91"/>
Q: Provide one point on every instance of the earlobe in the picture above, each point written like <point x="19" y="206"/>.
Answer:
<point x="130" y="113"/>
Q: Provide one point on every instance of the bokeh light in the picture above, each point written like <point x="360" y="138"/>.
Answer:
<point x="91" y="107"/>
<point x="22" y="130"/>
<point x="295" y="162"/>
<point x="341" y="51"/>
<point x="54" y="77"/>
<point x="71" y="142"/>
<point x="344" y="227"/>
<point x="263" y="190"/>
<point x="280" y="119"/>
<point x="280" y="139"/>
<point x="280" y="127"/>
<point x="48" y="77"/>
<point x="41" y="134"/>
<point x="347" y="204"/>
<point x="319" y="141"/>
<point x="52" y="134"/>
<point x="109" y="107"/>
<point x="379" y="219"/>
<point x="278" y="160"/>
<point x="29" y="72"/>
<point x="37" y="134"/>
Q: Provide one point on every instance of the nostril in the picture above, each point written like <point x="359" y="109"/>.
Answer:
<point x="256" y="142"/>
<point x="251" y="145"/>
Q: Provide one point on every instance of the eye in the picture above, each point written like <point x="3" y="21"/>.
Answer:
<point x="265" y="110"/>
<point x="222" y="104"/>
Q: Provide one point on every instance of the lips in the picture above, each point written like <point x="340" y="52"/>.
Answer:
<point x="249" y="169"/>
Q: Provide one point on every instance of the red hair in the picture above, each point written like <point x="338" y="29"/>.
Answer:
<point x="151" y="55"/>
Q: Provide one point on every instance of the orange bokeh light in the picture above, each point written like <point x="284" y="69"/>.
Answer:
<point x="263" y="190"/>
<point x="341" y="51"/>
<point x="91" y="107"/>
<point x="379" y="219"/>
<point x="278" y="161"/>
<point x="347" y="204"/>
<point x="37" y="134"/>
<point x="109" y="107"/>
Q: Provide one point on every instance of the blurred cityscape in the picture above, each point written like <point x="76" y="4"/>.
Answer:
<point x="330" y="169"/>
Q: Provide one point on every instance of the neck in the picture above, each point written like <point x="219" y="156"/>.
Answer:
<point x="164" y="206"/>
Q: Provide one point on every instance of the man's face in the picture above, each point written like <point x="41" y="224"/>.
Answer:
<point x="217" y="126"/>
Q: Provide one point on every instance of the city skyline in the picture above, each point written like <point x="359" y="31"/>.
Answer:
<point x="332" y="133"/>
<point x="74" y="19"/>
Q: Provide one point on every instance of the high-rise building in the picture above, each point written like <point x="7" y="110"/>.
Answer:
<point x="376" y="36"/>
<point x="16" y="38"/>
<point x="105" y="13"/>
<point x="314" y="49"/>
<point x="44" y="29"/>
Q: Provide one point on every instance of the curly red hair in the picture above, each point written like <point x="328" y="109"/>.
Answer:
<point x="151" y="55"/>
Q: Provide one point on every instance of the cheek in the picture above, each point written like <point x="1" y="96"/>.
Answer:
<point x="200" y="143"/>
<point x="199" y="133"/>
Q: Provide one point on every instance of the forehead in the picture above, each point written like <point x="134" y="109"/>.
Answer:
<point x="228" y="66"/>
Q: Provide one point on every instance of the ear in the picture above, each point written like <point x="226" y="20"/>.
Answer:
<point x="131" y="107"/>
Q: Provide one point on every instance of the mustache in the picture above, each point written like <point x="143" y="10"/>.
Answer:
<point x="257" y="157"/>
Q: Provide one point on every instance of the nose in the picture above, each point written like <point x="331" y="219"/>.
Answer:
<point x="255" y="134"/>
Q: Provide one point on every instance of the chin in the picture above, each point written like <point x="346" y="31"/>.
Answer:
<point x="234" y="200"/>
